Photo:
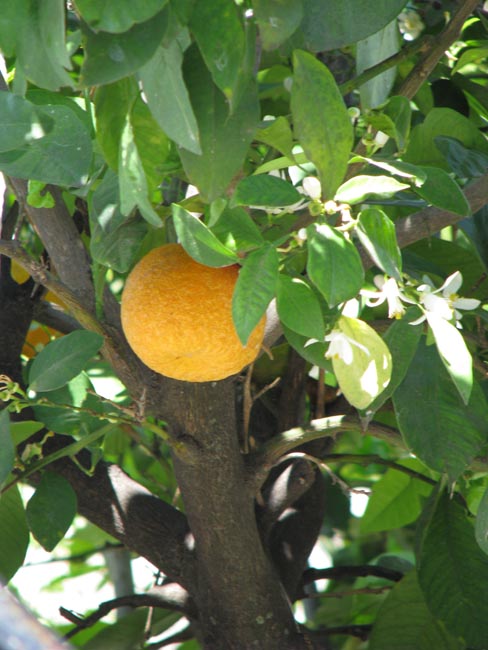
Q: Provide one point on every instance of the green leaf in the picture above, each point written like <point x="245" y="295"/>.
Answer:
<point x="359" y="188"/>
<point x="399" y="110"/>
<point x="41" y="45"/>
<point x="63" y="359"/>
<point x="404" y="622"/>
<point x="14" y="534"/>
<point x="441" y="190"/>
<point x="7" y="455"/>
<point x="299" y="308"/>
<point x="377" y="234"/>
<point x="110" y="57"/>
<point x="322" y="126"/>
<point x="423" y="150"/>
<point x="454" y="354"/>
<point x="62" y="157"/>
<point x="436" y="426"/>
<point x="396" y="500"/>
<point x="20" y="122"/>
<point x="168" y="98"/>
<point x="13" y="17"/>
<point x="453" y="573"/>
<point x="236" y="230"/>
<point x="51" y="510"/>
<point x="328" y="24"/>
<point x="115" y="240"/>
<point x="118" y="17"/>
<point x="220" y="35"/>
<point x="112" y="104"/>
<point x="363" y="377"/>
<point x="402" y="340"/>
<point x="277" y="20"/>
<point x="277" y="134"/>
<point x="481" y="525"/>
<point x="254" y="290"/>
<point x="199" y="241"/>
<point x="413" y="173"/>
<point x="464" y="162"/>
<point x="333" y="265"/>
<point x="21" y="431"/>
<point x="370" y="51"/>
<point x="312" y="351"/>
<point x="224" y="138"/>
<point x="132" y="178"/>
<point x="266" y="191"/>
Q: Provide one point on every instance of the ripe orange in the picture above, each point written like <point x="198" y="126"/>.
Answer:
<point x="177" y="317"/>
<point x="37" y="338"/>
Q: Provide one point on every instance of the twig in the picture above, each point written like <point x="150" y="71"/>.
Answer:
<point x="360" y="631"/>
<point x="419" y="45"/>
<point x="160" y="597"/>
<point x="347" y="592"/>
<point x="362" y="459"/>
<point x="346" y="572"/>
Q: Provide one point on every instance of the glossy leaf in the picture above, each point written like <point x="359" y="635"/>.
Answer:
<point x="436" y="426"/>
<point x="441" y="190"/>
<point x="14" y="534"/>
<point x="7" y="455"/>
<point x="115" y="240"/>
<point x="168" y="98"/>
<point x="62" y="157"/>
<point x="199" y="241"/>
<point x="396" y="500"/>
<point x="454" y="354"/>
<point x="333" y="265"/>
<point x="20" y="122"/>
<point x="112" y="104"/>
<point x="278" y="135"/>
<point x="322" y="126"/>
<point x="221" y="39"/>
<point x="481" y="526"/>
<point x="277" y="20"/>
<point x="451" y="569"/>
<point x="370" y="51"/>
<point x="13" y="18"/>
<point x="41" y="47"/>
<point x="423" y="150"/>
<point x="464" y="162"/>
<point x="254" y="290"/>
<point x="359" y="188"/>
<point x="132" y="178"/>
<point x="266" y="191"/>
<point x="367" y="373"/>
<point x="299" y="308"/>
<point x="377" y="234"/>
<point x="63" y="359"/>
<point x="328" y="24"/>
<point x="224" y="138"/>
<point x="110" y="57"/>
<point x="117" y="17"/>
<point x="236" y="230"/>
<point x="402" y="340"/>
<point x="51" y="510"/>
<point x="405" y="622"/>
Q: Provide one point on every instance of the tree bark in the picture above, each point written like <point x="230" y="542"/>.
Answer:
<point x="241" y="602"/>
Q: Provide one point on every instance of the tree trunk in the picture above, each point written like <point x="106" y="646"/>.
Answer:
<point x="240" y="600"/>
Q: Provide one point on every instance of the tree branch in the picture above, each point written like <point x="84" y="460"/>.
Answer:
<point x="169" y="596"/>
<point x="348" y="572"/>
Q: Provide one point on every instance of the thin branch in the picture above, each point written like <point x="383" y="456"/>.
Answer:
<point x="439" y="45"/>
<point x="419" y="45"/>
<point x="347" y="572"/>
<point x="272" y="450"/>
<point x="171" y="597"/>
<point x="362" y="459"/>
<point x="360" y="631"/>
<point x="344" y="593"/>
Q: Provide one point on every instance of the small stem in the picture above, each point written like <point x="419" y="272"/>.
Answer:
<point x="361" y="459"/>
<point x="420" y="45"/>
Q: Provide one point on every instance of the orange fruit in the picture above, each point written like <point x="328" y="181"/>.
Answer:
<point x="38" y="337"/>
<point x="177" y="317"/>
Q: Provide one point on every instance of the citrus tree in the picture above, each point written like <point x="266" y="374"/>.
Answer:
<point x="288" y="199"/>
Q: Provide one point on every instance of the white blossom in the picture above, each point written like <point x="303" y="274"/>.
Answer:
<point x="389" y="292"/>
<point x="340" y="347"/>
<point x="410" y="24"/>
<point x="445" y="301"/>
